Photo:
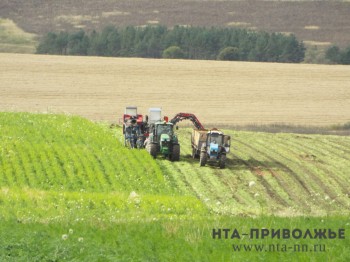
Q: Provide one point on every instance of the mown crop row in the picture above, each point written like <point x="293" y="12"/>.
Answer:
<point x="53" y="152"/>
<point x="280" y="174"/>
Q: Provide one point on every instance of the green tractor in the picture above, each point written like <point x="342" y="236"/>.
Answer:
<point x="162" y="140"/>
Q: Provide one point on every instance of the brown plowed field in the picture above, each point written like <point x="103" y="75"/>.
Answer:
<point x="228" y="93"/>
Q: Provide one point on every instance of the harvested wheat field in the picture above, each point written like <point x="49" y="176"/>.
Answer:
<point x="230" y="93"/>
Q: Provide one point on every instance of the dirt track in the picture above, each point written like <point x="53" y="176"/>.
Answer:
<point x="217" y="92"/>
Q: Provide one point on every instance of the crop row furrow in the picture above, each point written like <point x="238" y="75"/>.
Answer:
<point x="322" y="174"/>
<point x="53" y="173"/>
<point x="25" y="178"/>
<point x="270" y="183"/>
<point x="291" y="183"/>
<point x="96" y="170"/>
<point x="310" y="176"/>
<point x="39" y="169"/>
<point x="335" y="147"/>
<point x="219" y="181"/>
<point x="326" y="161"/>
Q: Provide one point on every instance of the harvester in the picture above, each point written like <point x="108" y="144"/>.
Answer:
<point x="162" y="139"/>
<point x="133" y="128"/>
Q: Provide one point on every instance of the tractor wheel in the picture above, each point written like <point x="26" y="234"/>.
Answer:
<point x="222" y="161"/>
<point x="202" y="159"/>
<point x="153" y="150"/>
<point x="175" y="155"/>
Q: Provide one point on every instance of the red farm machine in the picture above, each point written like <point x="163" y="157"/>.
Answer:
<point x="134" y="128"/>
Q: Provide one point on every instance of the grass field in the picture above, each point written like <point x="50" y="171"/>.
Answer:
<point x="224" y="93"/>
<point x="14" y="40"/>
<point x="69" y="190"/>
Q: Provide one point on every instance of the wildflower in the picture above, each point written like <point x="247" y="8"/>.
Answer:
<point x="251" y="183"/>
<point x="64" y="237"/>
<point x="133" y="194"/>
<point x="70" y="231"/>
<point x="80" y="239"/>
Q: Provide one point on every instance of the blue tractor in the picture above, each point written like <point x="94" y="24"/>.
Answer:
<point x="210" y="145"/>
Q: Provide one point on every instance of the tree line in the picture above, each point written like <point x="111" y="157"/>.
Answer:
<point x="337" y="56"/>
<point x="178" y="42"/>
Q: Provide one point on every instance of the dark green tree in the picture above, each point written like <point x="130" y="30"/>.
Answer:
<point x="333" y="54"/>
<point x="47" y="44"/>
<point x="345" y="56"/>
<point x="229" y="54"/>
<point x="173" y="52"/>
<point x="78" y="43"/>
<point x="194" y="42"/>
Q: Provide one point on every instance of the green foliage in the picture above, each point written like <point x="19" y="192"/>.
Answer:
<point x="337" y="56"/>
<point x="179" y="42"/>
<point x="66" y="193"/>
<point x="333" y="54"/>
<point x="55" y="152"/>
<point x="165" y="240"/>
<point x="173" y="52"/>
<point x="315" y="55"/>
<point x="229" y="54"/>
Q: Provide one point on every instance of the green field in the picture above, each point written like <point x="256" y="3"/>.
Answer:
<point x="70" y="191"/>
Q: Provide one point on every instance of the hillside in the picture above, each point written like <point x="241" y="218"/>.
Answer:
<point x="218" y="93"/>
<point x="293" y="175"/>
<point x="68" y="184"/>
<point x="315" y="22"/>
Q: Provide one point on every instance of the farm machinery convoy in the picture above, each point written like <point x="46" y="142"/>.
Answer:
<point x="157" y="136"/>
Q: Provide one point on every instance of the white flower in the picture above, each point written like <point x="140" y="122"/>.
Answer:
<point x="251" y="183"/>
<point x="70" y="231"/>
<point x="80" y="239"/>
<point x="64" y="237"/>
<point x="133" y="194"/>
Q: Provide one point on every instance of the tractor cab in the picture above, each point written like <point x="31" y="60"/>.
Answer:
<point x="164" y="135"/>
<point x="214" y="143"/>
<point x="215" y="147"/>
<point x="164" y="129"/>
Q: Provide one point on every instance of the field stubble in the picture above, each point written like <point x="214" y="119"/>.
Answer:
<point x="226" y="93"/>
